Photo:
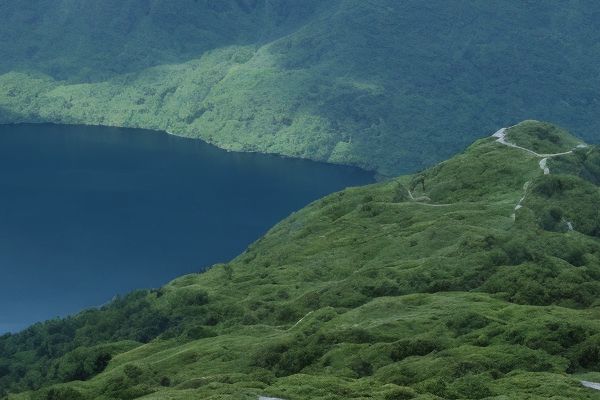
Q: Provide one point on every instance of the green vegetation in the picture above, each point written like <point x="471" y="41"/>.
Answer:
<point x="421" y="287"/>
<point x="542" y="138"/>
<point x="386" y="85"/>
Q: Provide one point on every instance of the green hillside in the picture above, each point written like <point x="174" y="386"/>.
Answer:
<point x="477" y="278"/>
<point x="386" y="85"/>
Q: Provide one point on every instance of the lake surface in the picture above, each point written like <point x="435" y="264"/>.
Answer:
<point x="90" y="212"/>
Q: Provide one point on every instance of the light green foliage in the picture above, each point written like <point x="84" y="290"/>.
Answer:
<point x="364" y="294"/>
<point x="388" y="85"/>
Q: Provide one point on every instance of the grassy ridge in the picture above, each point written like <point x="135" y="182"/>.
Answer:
<point x="385" y="85"/>
<point x="422" y="287"/>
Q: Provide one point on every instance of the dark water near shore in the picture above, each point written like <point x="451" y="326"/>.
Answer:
<point x="89" y="212"/>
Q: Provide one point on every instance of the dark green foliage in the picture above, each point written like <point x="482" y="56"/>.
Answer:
<point x="584" y="163"/>
<point x="559" y="199"/>
<point x="588" y="355"/>
<point x="290" y="356"/>
<point x="75" y="40"/>
<point x="467" y="322"/>
<point x="132" y="382"/>
<point x="546" y="283"/>
<point x="361" y="368"/>
<point x="82" y="363"/>
<point x="414" y="347"/>
<point x="59" y="394"/>
<point x="400" y="393"/>
<point x="199" y="332"/>
<point x="470" y="387"/>
<point x="389" y="85"/>
<point x="67" y="350"/>
<point x="165" y="381"/>
<point x="191" y="297"/>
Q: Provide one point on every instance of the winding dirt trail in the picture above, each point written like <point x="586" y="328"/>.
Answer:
<point x="296" y="324"/>
<point x="591" y="385"/>
<point x="544" y="166"/>
<point x="423" y="199"/>
<point x="500" y="136"/>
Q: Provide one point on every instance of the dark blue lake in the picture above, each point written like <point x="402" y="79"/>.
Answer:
<point x="90" y="212"/>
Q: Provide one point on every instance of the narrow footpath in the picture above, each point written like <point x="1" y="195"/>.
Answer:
<point x="500" y="136"/>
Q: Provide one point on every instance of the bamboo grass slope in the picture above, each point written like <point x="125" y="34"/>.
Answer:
<point x="386" y="85"/>
<point x="428" y="286"/>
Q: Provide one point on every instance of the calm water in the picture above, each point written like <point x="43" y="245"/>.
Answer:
<point x="89" y="212"/>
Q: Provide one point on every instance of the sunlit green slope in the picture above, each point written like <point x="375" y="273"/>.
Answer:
<point x="384" y="84"/>
<point x="477" y="278"/>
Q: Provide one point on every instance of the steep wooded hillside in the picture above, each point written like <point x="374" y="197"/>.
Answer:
<point x="388" y="85"/>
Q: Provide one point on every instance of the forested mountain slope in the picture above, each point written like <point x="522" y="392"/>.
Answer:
<point x="477" y="278"/>
<point x="384" y="84"/>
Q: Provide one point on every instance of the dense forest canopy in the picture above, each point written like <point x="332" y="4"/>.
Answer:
<point x="89" y="40"/>
<point x="384" y="84"/>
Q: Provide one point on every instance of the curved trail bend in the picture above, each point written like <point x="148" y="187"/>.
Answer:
<point x="500" y="136"/>
<point x="591" y="385"/>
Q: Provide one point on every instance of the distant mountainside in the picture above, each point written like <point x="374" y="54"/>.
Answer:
<point x="477" y="278"/>
<point x="387" y="85"/>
